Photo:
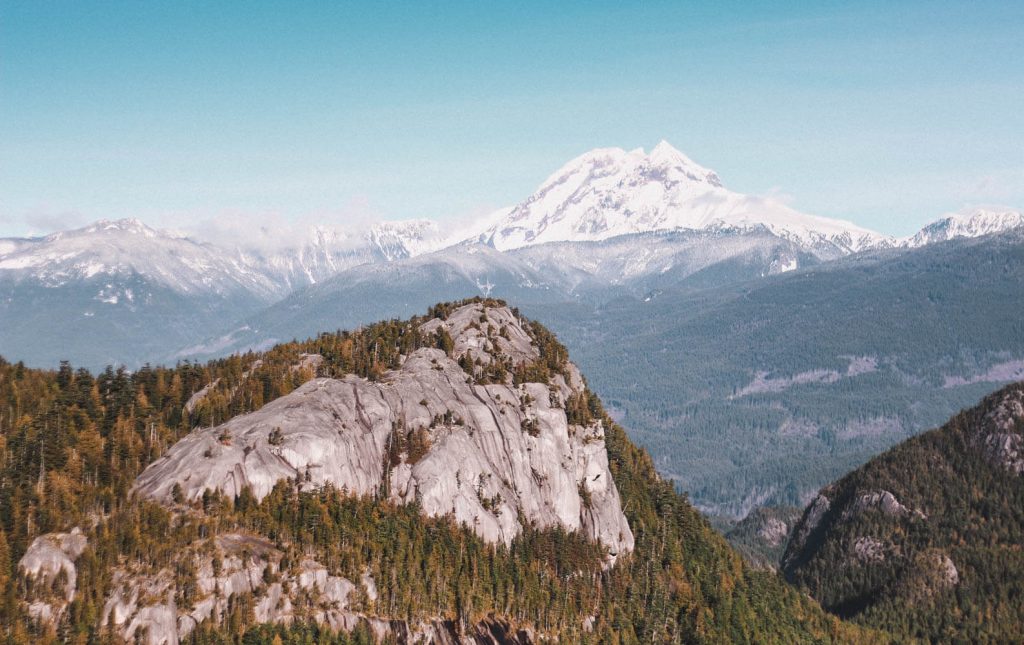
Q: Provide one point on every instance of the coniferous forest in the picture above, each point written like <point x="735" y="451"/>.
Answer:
<point x="941" y="558"/>
<point x="72" y="442"/>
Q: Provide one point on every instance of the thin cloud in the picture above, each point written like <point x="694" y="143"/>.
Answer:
<point x="999" y="186"/>
<point x="271" y="231"/>
<point x="43" y="221"/>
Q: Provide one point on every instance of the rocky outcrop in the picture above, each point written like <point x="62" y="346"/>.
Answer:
<point x="883" y="501"/>
<point x="869" y="550"/>
<point x="487" y="455"/>
<point x="948" y="575"/>
<point x="150" y="606"/>
<point x="449" y="429"/>
<point x="774" y="531"/>
<point x="49" y="568"/>
<point x="1000" y="435"/>
<point x="762" y="535"/>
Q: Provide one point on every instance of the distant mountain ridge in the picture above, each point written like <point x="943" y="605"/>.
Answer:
<point x="187" y="264"/>
<point x="603" y="194"/>
<point x="969" y="223"/>
<point x="125" y="247"/>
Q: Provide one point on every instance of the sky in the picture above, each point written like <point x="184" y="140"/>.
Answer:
<point x="887" y="114"/>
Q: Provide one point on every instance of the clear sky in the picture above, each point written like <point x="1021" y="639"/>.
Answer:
<point x="888" y="114"/>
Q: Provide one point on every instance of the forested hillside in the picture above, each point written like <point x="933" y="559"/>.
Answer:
<point x="71" y="444"/>
<point x="762" y="392"/>
<point x="925" y="540"/>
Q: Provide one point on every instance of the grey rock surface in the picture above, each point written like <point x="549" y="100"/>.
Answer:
<point x="48" y="558"/>
<point x="495" y="452"/>
<point x="1001" y="438"/>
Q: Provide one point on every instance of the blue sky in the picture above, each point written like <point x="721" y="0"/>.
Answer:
<point x="888" y="114"/>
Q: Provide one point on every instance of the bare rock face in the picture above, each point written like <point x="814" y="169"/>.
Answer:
<point x="49" y="566"/>
<point x="147" y="606"/>
<point x="869" y="550"/>
<point x="774" y="531"/>
<point x="885" y="502"/>
<point x="484" y="454"/>
<point x="1001" y="439"/>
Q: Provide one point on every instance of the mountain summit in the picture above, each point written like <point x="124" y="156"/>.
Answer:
<point x="610" y="191"/>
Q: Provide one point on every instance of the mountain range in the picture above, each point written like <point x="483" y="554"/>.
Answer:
<point x="699" y="313"/>
<point x="604" y="194"/>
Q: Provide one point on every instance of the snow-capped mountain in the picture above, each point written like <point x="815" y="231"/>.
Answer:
<point x="610" y="191"/>
<point x="187" y="265"/>
<point x="610" y="223"/>
<point x="969" y="223"/>
<point x="127" y="247"/>
<point x="325" y="251"/>
<point x="399" y="240"/>
<point x="123" y="292"/>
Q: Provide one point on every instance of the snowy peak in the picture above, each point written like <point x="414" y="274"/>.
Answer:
<point x="268" y="267"/>
<point x="126" y="225"/>
<point x="325" y="251"/>
<point x="666" y="158"/>
<point x="399" y="240"/>
<point x="121" y="249"/>
<point x="968" y="223"/>
<point x="610" y="191"/>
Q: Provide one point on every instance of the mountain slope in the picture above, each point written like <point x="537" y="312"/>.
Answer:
<point x="609" y="192"/>
<point x="925" y="539"/>
<point x="760" y="392"/>
<point x="313" y="560"/>
<point x="322" y="252"/>
<point x="371" y="292"/>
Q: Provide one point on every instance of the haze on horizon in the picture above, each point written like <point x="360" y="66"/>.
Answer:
<point x="885" y="115"/>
